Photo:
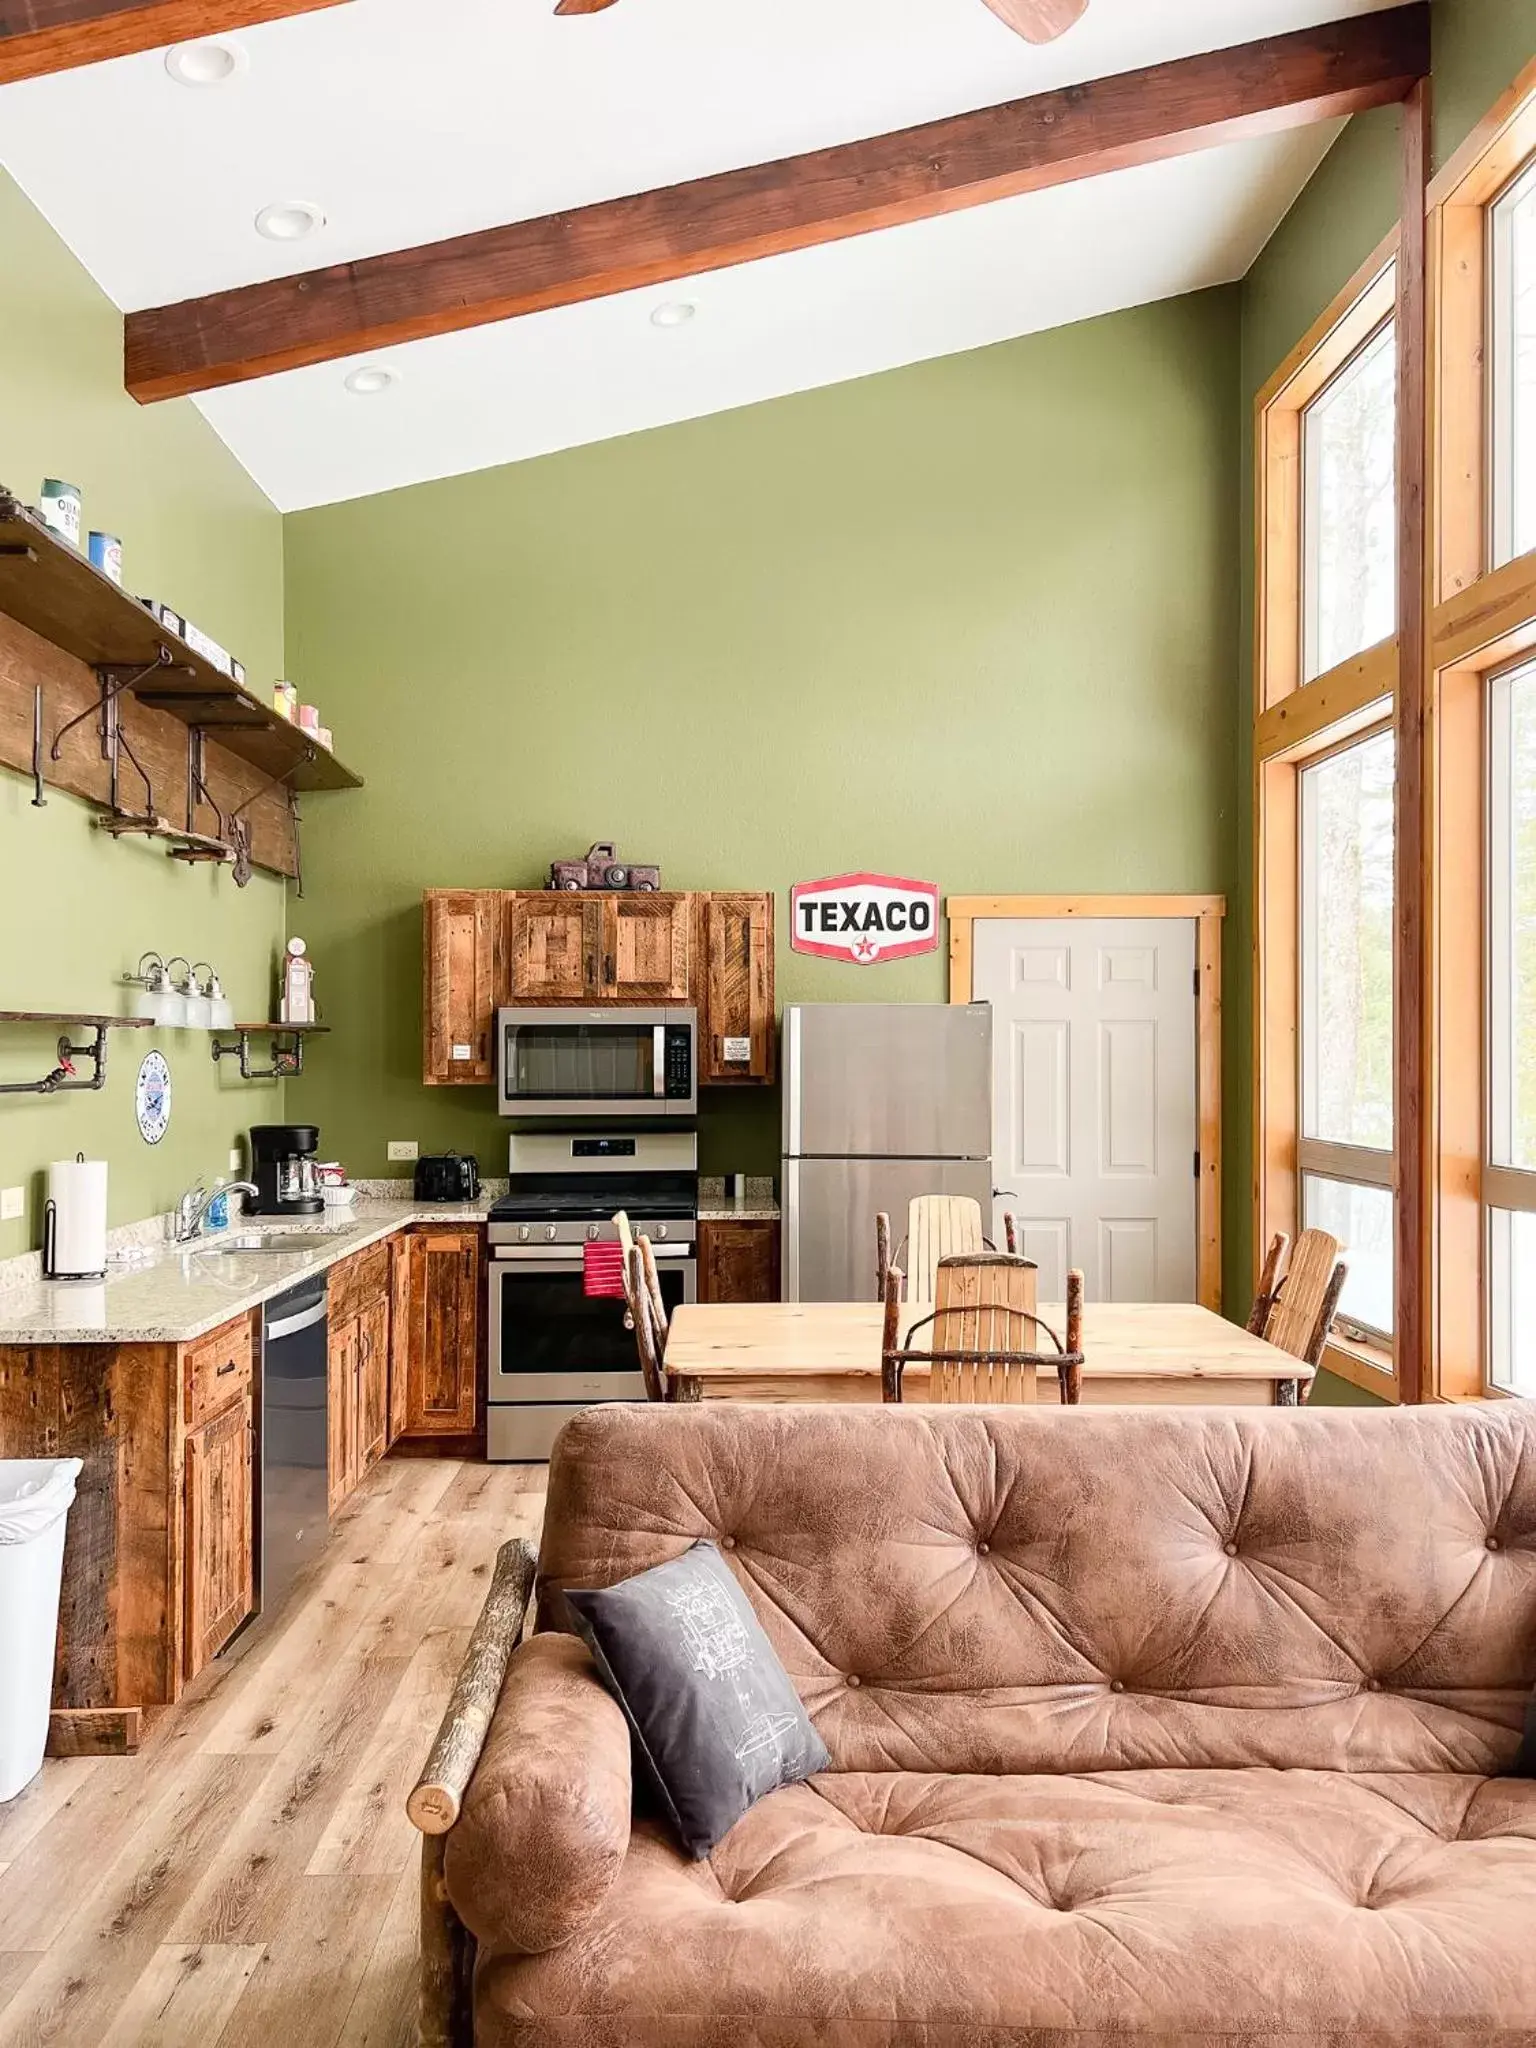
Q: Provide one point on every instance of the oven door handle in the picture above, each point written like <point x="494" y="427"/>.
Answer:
<point x="538" y="1259"/>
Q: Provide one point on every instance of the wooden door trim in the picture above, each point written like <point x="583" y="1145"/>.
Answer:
<point x="1208" y="912"/>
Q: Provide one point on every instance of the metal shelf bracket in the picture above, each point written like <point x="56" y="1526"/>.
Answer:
<point x="287" y="1055"/>
<point x="64" y="1079"/>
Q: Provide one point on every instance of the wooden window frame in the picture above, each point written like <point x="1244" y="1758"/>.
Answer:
<point x="1208" y="913"/>
<point x="1297" y="723"/>
<point x="1477" y="621"/>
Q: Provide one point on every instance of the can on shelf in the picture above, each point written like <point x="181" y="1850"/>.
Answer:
<point x="285" y="700"/>
<point x="309" y="717"/>
<point x="60" y="507"/>
<point x="107" y="555"/>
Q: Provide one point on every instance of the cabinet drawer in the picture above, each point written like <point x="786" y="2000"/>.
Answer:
<point x="358" y="1281"/>
<point x="217" y="1370"/>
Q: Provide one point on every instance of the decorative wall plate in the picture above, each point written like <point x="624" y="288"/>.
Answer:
<point x="152" y="1098"/>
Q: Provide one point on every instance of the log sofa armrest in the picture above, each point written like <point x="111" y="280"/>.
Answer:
<point x="435" y="1803"/>
<point x="447" y="1947"/>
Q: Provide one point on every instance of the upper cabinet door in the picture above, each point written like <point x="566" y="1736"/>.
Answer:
<point x="460" y="956"/>
<point x="737" y="1026"/>
<point x="647" y="948"/>
<point x="550" y="947"/>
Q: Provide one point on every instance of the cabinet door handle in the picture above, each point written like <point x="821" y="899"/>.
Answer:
<point x="608" y="973"/>
<point x="225" y="1370"/>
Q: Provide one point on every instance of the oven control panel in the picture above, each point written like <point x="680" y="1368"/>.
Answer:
<point x="679" y="1062"/>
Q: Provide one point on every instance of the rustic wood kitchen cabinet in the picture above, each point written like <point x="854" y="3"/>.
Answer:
<point x="459" y="994"/>
<point x="739" y="1260"/>
<point x="736" y="1012"/>
<point x="443" y="1336"/>
<point x="359" y="1298"/>
<point x="159" y="1560"/>
<point x="487" y="948"/>
<point x="220" y="1558"/>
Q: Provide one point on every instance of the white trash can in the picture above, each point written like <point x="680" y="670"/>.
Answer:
<point x="35" y="1497"/>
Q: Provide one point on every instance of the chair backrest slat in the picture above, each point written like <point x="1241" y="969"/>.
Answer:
<point x="653" y="1289"/>
<point x="1293" y="1318"/>
<point x="984" y="1304"/>
<point x="939" y="1227"/>
<point x="647" y="1343"/>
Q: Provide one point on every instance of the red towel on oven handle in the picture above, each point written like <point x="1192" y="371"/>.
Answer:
<point x="602" y="1270"/>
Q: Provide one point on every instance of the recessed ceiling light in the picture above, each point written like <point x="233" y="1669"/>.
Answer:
<point x="371" y="378"/>
<point x="204" y="63"/>
<point x="289" y="220"/>
<point x="676" y="313"/>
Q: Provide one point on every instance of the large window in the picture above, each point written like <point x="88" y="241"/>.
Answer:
<point x="1349" y="541"/>
<point x="1512" y="367"/>
<point x="1345" y="1144"/>
<point x="1511" y="1170"/>
<point x="1395" y="904"/>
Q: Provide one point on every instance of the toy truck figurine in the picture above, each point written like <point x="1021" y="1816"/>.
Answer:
<point x="602" y="869"/>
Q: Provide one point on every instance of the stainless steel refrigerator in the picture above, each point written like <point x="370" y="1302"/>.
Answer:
<point x="882" y="1101"/>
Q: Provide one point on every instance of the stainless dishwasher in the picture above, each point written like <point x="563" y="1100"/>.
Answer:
<point x="292" y="1502"/>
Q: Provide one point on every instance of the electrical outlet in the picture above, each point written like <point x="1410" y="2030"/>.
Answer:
<point x="13" y="1203"/>
<point x="236" y="1159"/>
<point x="403" y="1148"/>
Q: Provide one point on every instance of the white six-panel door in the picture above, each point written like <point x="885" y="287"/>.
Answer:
<point x="1096" y="1098"/>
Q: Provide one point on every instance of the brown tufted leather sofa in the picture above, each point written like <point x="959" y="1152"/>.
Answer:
<point x="1147" y="1727"/>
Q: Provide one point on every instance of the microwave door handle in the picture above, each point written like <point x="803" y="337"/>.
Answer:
<point x="659" y="1061"/>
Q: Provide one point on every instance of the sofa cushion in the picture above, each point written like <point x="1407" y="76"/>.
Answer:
<point x="546" y="1816"/>
<point x="1031" y="1590"/>
<point x="895" y="1910"/>
<point x="713" y="1712"/>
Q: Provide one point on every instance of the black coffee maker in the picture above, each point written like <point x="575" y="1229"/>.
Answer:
<point x="283" y="1168"/>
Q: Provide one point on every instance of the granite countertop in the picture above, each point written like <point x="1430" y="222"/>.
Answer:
<point x="183" y="1292"/>
<point x="758" y="1205"/>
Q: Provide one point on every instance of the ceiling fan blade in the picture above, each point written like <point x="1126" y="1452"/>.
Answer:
<point x="582" y="6"/>
<point x="1038" y="21"/>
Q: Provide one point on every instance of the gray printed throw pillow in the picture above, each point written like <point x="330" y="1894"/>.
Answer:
<point x="713" y="1712"/>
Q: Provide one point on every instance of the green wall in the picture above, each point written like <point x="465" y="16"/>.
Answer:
<point x="972" y="621"/>
<point x="77" y="910"/>
<point x="1480" y="47"/>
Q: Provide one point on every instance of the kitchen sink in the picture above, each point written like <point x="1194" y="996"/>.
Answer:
<point x="264" y="1241"/>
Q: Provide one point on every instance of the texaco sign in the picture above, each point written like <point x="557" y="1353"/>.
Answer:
<point x="865" y="918"/>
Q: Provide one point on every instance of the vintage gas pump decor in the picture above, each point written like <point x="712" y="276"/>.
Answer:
<point x="865" y="919"/>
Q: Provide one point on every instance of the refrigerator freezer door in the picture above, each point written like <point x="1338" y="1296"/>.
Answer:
<point x="830" y="1207"/>
<point x="888" y="1080"/>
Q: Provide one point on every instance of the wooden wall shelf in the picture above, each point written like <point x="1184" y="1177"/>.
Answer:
<point x="287" y="1057"/>
<point x="75" y="1017"/>
<point x="63" y="1080"/>
<point x="51" y="588"/>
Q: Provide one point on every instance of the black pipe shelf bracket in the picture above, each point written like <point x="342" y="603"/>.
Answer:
<point x="64" y="1080"/>
<point x="287" y="1049"/>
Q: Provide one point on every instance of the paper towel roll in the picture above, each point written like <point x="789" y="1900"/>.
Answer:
<point x="75" y="1220"/>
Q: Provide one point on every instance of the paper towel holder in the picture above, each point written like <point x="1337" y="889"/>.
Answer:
<point x="50" y="1241"/>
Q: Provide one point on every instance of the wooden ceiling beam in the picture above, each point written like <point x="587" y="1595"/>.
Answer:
<point x="1079" y="131"/>
<point x="39" y="36"/>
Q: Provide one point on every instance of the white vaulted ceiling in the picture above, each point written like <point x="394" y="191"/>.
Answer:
<point x="405" y="124"/>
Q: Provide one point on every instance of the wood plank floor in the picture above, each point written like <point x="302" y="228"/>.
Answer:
<point x="249" y="1880"/>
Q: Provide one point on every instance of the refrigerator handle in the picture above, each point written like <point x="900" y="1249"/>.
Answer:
<point x="792" y="1085"/>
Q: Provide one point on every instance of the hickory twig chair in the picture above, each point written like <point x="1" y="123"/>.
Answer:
<point x="985" y="1336"/>
<point x="938" y="1227"/>
<point x="1296" y="1312"/>
<point x="650" y="1337"/>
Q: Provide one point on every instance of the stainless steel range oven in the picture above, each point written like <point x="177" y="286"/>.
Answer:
<point x="609" y="1063"/>
<point x="554" y="1349"/>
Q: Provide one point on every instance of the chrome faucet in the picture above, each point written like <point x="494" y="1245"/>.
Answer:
<point x="192" y="1209"/>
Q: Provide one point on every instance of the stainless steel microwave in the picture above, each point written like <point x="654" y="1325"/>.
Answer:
<point x="613" y="1062"/>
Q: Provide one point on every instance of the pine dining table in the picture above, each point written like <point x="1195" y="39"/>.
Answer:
<point x="1136" y="1354"/>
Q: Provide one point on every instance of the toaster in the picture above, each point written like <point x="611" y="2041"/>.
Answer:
<point x="448" y="1178"/>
